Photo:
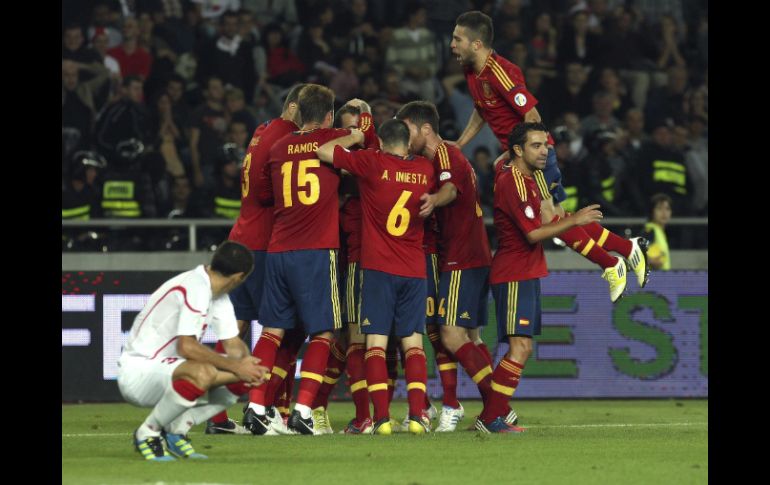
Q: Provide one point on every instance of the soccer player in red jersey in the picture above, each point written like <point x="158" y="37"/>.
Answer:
<point x="502" y="100"/>
<point x="348" y="351"/>
<point x="393" y="186"/>
<point x="519" y="263"/>
<point x="465" y="255"/>
<point x="252" y="229"/>
<point x="301" y="262"/>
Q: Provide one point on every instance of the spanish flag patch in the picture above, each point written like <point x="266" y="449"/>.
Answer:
<point x="523" y="321"/>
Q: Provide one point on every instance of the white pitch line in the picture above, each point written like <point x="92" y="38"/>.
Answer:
<point x="599" y="425"/>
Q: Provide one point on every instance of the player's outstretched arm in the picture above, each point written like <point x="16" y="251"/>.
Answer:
<point x="246" y="368"/>
<point x="584" y="216"/>
<point x="326" y="151"/>
<point x="475" y="124"/>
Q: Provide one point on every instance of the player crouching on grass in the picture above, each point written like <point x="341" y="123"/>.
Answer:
<point x="164" y="365"/>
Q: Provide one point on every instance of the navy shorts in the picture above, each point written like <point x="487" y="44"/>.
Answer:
<point x="518" y="308"/>
<point x="302" y="285"/>
<point x="549" y="179"/>
<point x="431" y="263"/>
<point x="392" y="304"/>
<point x="247" y="297"/>
<point x="352" y="292"/>
<point x="463" y="297"/>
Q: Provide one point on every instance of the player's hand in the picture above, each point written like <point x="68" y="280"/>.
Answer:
<point x="249" y="371"/>
<point x="428" y="204"/>
<point x="588" y="214"/>
<point x="358" y="134"/>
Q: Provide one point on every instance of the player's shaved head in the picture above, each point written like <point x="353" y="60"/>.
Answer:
<point x="419" y="113"/>
<point x="315" y="101"/>
<point x="394" y="133"/>
<point x="478" y="26"/>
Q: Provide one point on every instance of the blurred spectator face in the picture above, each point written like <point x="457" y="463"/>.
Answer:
<point x="635" y="122"/>
<point x="130" y="29"/>
<point x="667" y="24"/>
<point x="349" y="120"/>
<point x="598" y="7"/>
<point x="580" y="22"/>
<point x="145" y="25"/>
<point x="512" y="29"/>
<point x="511" y="7"/>
<point x="134" y="92"/>
<point x="235" y="102"/>
<point x="215" y="91"/>
<point x="69" y="75"/>
<point x="419" y="18"/>
<point x="534" y="78"/>
<point x="609" y="80"/>
<point x="481" y="160"/>
<point x="327" y="16"/>
<point x="238" y="134"/>
<point x="392" y="84"/>
<point x="563" y="152"/>
<point x="572" y="122"/>
<point x="230" y="169"/>
<point x="370" y="88"/>
<point x="349" y="65"/>
<point x="697" y="128"/>
<point x="229" y="25"/>
<point x="358" y="7"/>
<point x="245" y="23"/>
<point x="519" y="54"/>
<point x="603" y="105"/>
<point x="73" y="38"/>
<point x="662" y="136"/>
<point x="677" y="79"/>
<point x="100" y="43"/>
<point x="164" y="104"/>
<point x="381" y="113"/>
<point x="175" y="90"/>
<point x="543" y="23"/>
<point x="661" y="213"/>
<point x="274" y="38"/>
<point x="101" y="15"/>
<point x="575" y="74"/>
<point x="316" y="32"/>
<point x="680" y="137"/>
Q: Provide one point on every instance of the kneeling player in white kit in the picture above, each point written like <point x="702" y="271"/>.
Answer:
<point x="164" y="365"/>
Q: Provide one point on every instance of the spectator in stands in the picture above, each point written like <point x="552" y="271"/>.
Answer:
<point x="353" y="28"/>
<point x="601" y="118"/>
<point x="315" y="51"/>
<point x="667" y="103"/>
<point x="283" y="13"/>
<point x="510" y="33"/>
<point x="369" y="87"/>
<point x="207" y="133"/>
<point x="485" y="177"/>
<point x="229" y="57"/>
<point x="658" y="253"/>
<point x="175" y="88"/>
<point x="125" y="119"/>
<point x="78" y="106"/>
<point x="543" y="43"/>
<point x="268" y="104"/>
<point x="102" y="22"/>
<point x="570" y="93"/>
<point x="134" y="60"/>
<point x="412" y="54"/>
<point x="670" y="44"/>
<point x="610" y="82"/>
<point x="696" y="103"/>
<point x="696" y="157"/>
<point x="237" y="111"/>
<point x="344" y="82"/>
<point x="600" y="168"/>
<point x="283" y="66"/>
<point x="509" y="10"/>
<point x="74" y="48"/>
<point x="169" y="139"/>
<point x="577" y="44"/>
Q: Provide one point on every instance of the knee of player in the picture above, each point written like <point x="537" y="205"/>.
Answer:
<point x="521" y="347"/>
<point x="451" y="339"/>
<point x="203" y="375"/>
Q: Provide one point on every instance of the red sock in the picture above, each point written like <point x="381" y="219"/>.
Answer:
<point x="447" y="368"/>
<point x="335" y="365"/>
<point x="356" y="370"/>
<point x="485" y="350"/>
<point x="313" y="369"/>
<point x="377" y="381"/>
<point x="265" y="350"/>
<point x="475" y="364"/>
<point x="286" y="390"/>
<point x="279" y="373"/>
<point x="504" y="381"/>
<point x="608" y="240"/>
<point x="187" y="389"/>
<point x="391" y="362"/>
<point x="416" y="372"/>
<point x="219" y="417"/>
<point x="580" y="242"/>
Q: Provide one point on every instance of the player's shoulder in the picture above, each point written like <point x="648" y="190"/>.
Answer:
<point x="504" y="71"/>
<point x="497" y="60"/>
<point x="512" y="177"/>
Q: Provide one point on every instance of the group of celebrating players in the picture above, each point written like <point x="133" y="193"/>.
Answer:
<point x="402" y="204"/>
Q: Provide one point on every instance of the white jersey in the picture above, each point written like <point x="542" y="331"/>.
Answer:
<point x="181" y="306"/>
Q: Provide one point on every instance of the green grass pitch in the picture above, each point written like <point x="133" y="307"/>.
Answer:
<point x="566" y="442"/>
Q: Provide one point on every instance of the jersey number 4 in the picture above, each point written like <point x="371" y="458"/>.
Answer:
<point x="308" y="184"/>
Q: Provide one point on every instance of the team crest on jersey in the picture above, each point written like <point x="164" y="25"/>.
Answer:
<point x="529" y="212"/>
<point x="520" y="100"/>
<point x="445" y="176"/>
<point x="487" y="89"/>
<point x="255" y="141"/>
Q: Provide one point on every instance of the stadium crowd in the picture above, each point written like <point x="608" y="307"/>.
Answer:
<point x="160" y="97"/>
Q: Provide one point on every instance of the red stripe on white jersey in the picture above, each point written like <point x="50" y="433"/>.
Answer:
<point x="184" y="294"/>
<point x="164" y="346"/>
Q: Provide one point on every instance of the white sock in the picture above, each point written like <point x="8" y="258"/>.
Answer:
<point x="304" y="411"/>
<point x="258" y="408"/>
<point x="170" y="406"/>
<point x="214" y="402"/>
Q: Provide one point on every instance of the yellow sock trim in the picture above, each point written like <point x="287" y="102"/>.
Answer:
<point x="415" y="385"/>
<point x="482" y="374"/>
<point x="377" y="387"/>
<point x="449" y="366"/>
<point x="357" y="386"/>
<point x="311" y="375"/>
<point x="589" y="246"/>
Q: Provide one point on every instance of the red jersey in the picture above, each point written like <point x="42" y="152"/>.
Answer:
<point x="305" y="193"/>
<point x="463" y="241"/>
<point x="430" y="235"/>
<point x="517" y="213"/>
<point x="390" y="187"/>
<point x="499" y="95"/>
<point x="255" y="221"/>
<point x="350" y="222"/>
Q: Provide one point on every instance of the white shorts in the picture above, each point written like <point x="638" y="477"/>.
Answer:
<point x="142" y="381"/>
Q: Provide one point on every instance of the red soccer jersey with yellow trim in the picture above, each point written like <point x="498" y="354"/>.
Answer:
<point x="500" y="95"/>
<point x="463" y="238"/>
<point x="255" y="221"/>
<point x="392" y="230"/>
<point x="430" y="235"/>
<point x="517" y="213"/>
<point x="305" y="192"/>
